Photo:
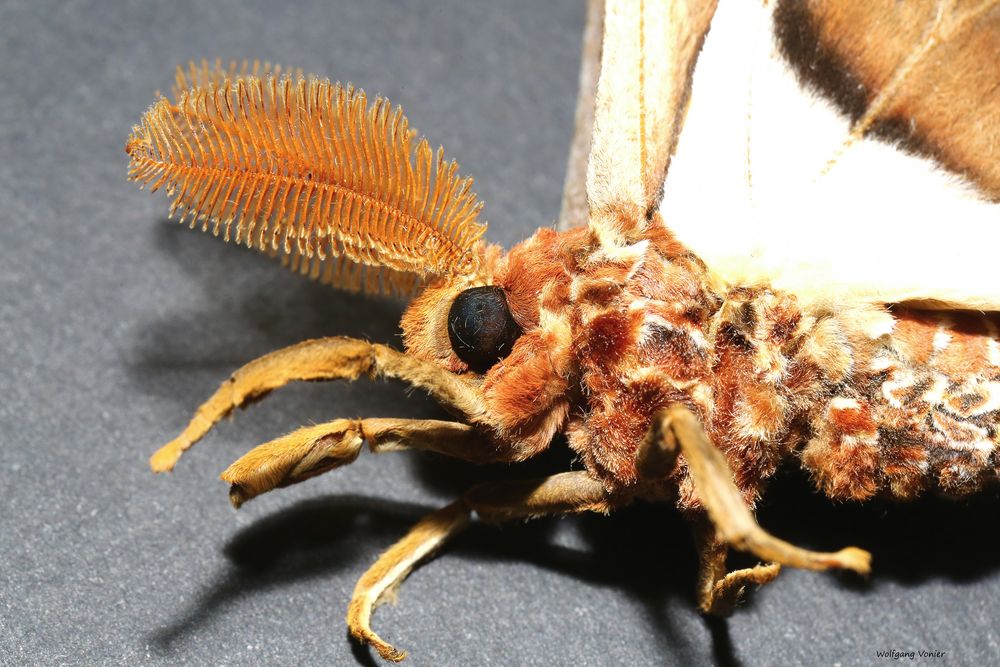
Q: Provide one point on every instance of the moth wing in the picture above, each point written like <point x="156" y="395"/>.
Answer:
<point x="846" y="151"/>
<point x="573" y="212"/>
<point x="646" y="58"/>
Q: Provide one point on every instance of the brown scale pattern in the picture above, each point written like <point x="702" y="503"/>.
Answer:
<point x="873" y="402"/>
<point x="921" y="415"/>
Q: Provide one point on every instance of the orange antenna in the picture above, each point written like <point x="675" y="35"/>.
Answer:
<point x="310" y="170"/>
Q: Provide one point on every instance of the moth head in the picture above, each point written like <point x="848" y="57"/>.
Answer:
<point x="462" y="323"/>
<point x="341" y="190"/>
<point x="472" y="324"/>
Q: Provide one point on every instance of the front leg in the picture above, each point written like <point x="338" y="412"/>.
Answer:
<point x="335" y="358"/>
<point x="313" y="450"/>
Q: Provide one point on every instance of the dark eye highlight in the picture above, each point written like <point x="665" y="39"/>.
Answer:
<point x="481" y="328"/>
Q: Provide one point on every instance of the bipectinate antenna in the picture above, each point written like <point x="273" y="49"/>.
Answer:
<point x="312" y="171"/>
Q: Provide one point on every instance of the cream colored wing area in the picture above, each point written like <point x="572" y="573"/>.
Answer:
<point x="648" y="51"/>
<point x="752" y="189"/>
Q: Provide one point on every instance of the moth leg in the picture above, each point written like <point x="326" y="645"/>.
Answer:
<point x="392" y="567"/>
<point x="492" y="501"/>
<point x="313" y="450"/>
<point x="656" y="455"/>
<point x="335" y="358"/>
<point x="726" y="508"/>
<point x="719" y="590"/>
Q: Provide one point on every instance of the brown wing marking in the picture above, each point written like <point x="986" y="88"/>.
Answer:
<point x="910" y="72"/>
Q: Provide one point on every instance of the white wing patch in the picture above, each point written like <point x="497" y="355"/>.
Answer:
<point x="751" y="189"/>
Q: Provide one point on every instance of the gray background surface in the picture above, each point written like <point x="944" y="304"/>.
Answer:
<point x="115" y="324"/>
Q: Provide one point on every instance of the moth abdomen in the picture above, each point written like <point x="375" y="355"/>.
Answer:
<point x="919" y="414"/>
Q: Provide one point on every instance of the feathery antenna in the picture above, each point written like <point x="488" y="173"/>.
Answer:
<point x="309" y="170"/>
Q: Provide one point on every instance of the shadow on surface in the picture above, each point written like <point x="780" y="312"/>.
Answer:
<point x="643" y="549"/>
<point x="910" y="542"/>
<point x="332" y="533"/>
<point x="301" y="542"/>
<point x="245" y="305"/>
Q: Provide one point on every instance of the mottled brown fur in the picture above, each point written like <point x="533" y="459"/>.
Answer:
<point x="873" y="402"/>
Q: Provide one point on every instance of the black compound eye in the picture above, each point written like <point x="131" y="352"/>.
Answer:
<point x="481" y="328"/>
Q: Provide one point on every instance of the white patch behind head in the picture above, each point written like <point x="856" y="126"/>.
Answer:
<point x="750" y="190"/>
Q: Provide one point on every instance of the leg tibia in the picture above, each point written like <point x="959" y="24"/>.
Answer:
<point x="296" y="457"/>
<point x="313" y="450"/>
<point x="559" y="494"/>
<point x="320" y="359"/>
<point x="724" y="503"/>
<point x="393" y="566"/>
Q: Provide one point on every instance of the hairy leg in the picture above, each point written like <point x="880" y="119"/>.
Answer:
<point x="681" y="430"/>
<point x="313" y="450"/>
<point x="493" y="501"/>
<point x="320" y="359"/>
<point x="719" y="590"/>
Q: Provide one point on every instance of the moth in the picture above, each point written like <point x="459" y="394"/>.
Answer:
<point x="669" y="328"/>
